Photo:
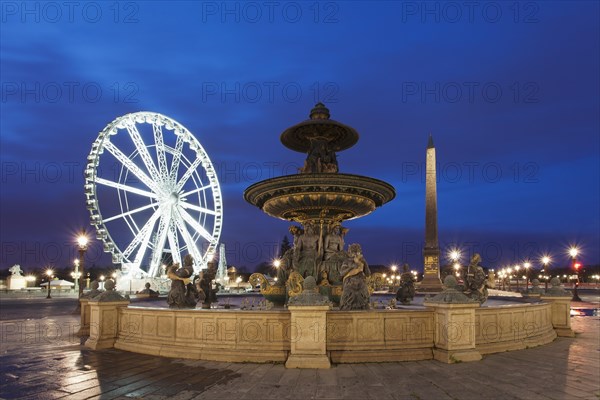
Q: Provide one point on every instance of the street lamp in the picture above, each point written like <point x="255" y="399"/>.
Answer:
<point x="527" y="265"/>
<point x="82" y="244"/>
<point x="517" y="268"/>
<point x="75" y="274"/>
<point x="545" y="261"/>
<point x="573" y="252"/>
<point x="394" y="268"/>
<point x="49" y="273"/>
<point x="455" y="257"/>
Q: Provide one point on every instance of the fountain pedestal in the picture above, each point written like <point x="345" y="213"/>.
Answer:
<point x="308" y="334"/>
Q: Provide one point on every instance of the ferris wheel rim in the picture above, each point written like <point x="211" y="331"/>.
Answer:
<point x="155" y="190"/>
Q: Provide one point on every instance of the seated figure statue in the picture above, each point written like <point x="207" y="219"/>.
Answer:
<point x="147" y="292"/>
<point x="476" y="281"/>
<point x="355" y="292"/>
<point x="406" y="291"/>
<point x="182" y="293"/>
<point x="204" y="286"/>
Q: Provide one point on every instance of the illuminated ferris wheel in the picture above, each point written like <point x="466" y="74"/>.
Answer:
<point x="153" y="194"/>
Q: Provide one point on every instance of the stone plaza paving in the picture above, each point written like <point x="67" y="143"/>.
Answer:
<point x="41" y="358"/>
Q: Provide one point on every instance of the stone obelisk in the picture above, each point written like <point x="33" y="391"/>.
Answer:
<point x="222" y="270"/>
<point x="431" y="252"/>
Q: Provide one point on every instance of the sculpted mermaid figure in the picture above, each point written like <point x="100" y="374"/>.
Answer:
<point x="355" y="270"/>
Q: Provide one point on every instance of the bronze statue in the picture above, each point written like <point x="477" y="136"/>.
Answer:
<point x="476" y="281"/>
<point x="182" y="293"/>
<point x="355" y="293"/>
<point x="147" y="292"/>
<point x="406" y="291"/>
<point x="305" y="252"/>
<point x="206" y="293"/>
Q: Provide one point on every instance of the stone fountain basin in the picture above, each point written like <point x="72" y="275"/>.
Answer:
<point x="319" y="196"/>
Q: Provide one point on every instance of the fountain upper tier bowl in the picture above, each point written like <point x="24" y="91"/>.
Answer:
<point x="319" y="196"/>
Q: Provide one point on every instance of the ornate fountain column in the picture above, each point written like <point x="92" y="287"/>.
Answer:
<point x="318" y="197"/>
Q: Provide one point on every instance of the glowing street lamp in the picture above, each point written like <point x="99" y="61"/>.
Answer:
<point x="527" y="265"/>
<point x="49" y="273"/>
<point x="82" y="244"/>
<point x="573" y="252"/>
<point x="545" y="261"/>
<point x="517" y="268"/>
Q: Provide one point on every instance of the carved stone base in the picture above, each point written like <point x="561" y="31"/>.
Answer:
<point x="564" y="332"/>
<point x="431" y="283"/>
<point x="454" y="356"/>
<point x="307" y="361"/>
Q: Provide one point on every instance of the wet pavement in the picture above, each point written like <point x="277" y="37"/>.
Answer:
<point x="41" y="358"/>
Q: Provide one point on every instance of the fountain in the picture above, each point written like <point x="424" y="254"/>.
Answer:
<point x="318" y="198"/>
<point x="452" y="326"/>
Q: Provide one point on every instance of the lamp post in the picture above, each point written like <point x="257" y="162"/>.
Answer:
<point x="509" y="273"/>
<point x="82" y="243"/>
<point x="545" y="261"/>
<point x="517" y="268"/>
<point x="394" y="268"/>
<point x="527" y="265"/>
<point x="49" y="273"/>
<point x="76" y="275"/>
<point x="455" y="257"/>
<point x="573" y="252"/>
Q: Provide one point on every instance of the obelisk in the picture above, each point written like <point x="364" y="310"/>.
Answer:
<point x="222" y="270"/>
<point x="431" y="252"/>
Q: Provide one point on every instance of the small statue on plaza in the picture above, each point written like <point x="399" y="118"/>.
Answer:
<point x="204" y="286"/>
<point x="94" y="291"/>
<point x="476" y="281"/>
<point x="536" y="289"/>
<point x="16" y="270"/>
<point x="147" y="292"/>
<point x="110" y="294"/>
<point x="406" y="291"/>
<point x="182" y="293"/>
<point x="355" y="270"/>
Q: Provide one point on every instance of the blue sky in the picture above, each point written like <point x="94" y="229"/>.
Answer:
<point x="510" y="92"/>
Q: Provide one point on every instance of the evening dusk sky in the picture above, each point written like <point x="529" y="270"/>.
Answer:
<point x="510" y="92"/>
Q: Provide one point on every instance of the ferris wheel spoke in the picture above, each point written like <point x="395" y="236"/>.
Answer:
<point x="173" y="242"/>
<point x="142" y="233"/>
<point x="159" y="243"/>
<point x="200" y="189"/>
<point x="147" y="206"/>
<point x="142" y="149"/>
<point x="127" y="188"/>
<point x="196" y="208"/>
<point x="187" y="239"/>
<point x="196" y="226"/>
<point x="176" y="159"/>
<point x="130" y="165"/>
<point x="143" y="246"/>
<point x="160" y="152"/>
<point x="188" y="173"/>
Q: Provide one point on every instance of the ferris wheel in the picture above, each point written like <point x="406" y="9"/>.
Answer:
<point x="153" y="194"/>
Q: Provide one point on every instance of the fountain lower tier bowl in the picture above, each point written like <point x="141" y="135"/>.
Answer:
<point x="321" y="196"/>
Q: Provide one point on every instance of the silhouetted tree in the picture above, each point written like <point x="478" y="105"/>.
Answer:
<point x="285" y="246"/>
